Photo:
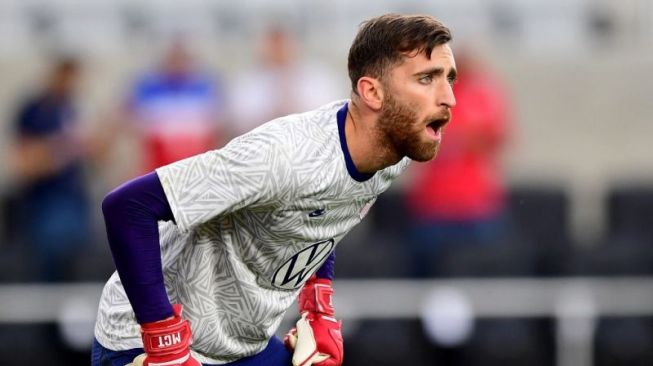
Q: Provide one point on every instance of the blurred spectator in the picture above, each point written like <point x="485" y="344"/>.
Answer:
<point x="283" y="83"/>
<point x="176" y="109"/>
<point x="458" y="199"/>
<point x="53" y="206"/>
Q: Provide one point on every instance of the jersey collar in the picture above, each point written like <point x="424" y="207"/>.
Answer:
<point x="341" y="116"/>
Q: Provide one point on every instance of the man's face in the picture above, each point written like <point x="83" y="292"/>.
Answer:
<point x="417" y="103"/>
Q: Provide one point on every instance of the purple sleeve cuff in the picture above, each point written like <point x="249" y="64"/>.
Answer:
<point x="327" y="269"/>
<point x="131" y="215"/>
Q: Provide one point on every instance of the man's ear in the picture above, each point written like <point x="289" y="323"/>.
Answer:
<point x="371" y="92"/>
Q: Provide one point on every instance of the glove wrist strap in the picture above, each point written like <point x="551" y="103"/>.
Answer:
<point x="316" y="296"/>
<point x="168" y="337"/>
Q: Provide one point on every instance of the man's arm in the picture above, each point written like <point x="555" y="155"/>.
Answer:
<point x="131" y="213"/>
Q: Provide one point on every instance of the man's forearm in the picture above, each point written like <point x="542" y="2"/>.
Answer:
<point x="131" y="215"/>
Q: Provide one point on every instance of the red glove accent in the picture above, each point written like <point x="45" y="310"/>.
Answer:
<point x="167" y="342"/>
<point x="316" y="296"/>
<point x="317" y="309"/>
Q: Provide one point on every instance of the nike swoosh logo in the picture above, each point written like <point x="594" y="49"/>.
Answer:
<point x="317" y="213"/>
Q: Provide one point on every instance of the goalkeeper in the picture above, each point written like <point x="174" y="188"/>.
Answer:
<point x="212" y="250"/>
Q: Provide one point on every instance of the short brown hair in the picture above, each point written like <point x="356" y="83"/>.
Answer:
<point x="383" y="41"/>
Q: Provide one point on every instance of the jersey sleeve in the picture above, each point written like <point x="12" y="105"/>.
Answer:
<point x="252" y="171"/>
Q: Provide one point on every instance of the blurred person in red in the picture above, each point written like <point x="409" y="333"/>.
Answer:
<point x="282" y="83"/>
<point x="47" y="160"/>
<point x="176" y="109"/>
<point x="459" y="199"/>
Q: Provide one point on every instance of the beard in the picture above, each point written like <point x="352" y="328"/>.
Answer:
<point x="403" y="132"/>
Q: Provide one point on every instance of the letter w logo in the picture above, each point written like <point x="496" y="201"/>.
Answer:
<point x="300" y="266"/>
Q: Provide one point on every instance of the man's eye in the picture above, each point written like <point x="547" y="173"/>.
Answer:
<point x="426" y="79"/>
<point x="452" y="81"/>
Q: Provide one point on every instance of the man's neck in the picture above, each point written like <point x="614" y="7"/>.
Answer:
<point x="366" y="144"/>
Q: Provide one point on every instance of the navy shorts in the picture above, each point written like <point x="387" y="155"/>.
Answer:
<point x="275" y="354"/>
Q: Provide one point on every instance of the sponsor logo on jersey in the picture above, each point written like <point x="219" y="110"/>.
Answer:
<point x="295" y="271"/>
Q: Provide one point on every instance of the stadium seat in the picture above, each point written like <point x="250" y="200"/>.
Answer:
<point x="17" y="265"/>
<point x="629" y="210"/>
<point x="540" y="221"/>
<point x="503" y="342"/>
<point x="538" y="242"/>
<point x="500" y="342"/>
<point x="614" y="258"/>
<point x="94" y="263"/>
<point x="624" y="341"/>
<point x="367" y="253"/>
<point x="389" y="215"/>
<point x="627" y="248"/>
<point x="498" y="260"/>
<point x="389" y="342"/>
<point x="376" y="247"/>
<point x="9" y="213"/>
<point x="28" y="344"/>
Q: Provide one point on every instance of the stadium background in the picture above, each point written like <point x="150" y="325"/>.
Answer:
<point x="578" y="167"/>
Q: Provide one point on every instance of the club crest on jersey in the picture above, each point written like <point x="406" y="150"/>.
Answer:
<point x="293" y="272"/>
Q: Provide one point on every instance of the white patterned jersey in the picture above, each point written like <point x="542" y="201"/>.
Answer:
<point x="254" y="220"/>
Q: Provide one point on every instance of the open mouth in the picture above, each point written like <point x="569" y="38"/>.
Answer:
<point x="435" y="127"/>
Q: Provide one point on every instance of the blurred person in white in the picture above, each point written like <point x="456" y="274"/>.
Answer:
<point x="176" y="109"/>
<point x="47" y="161"/>
<point x="280" y="83"/>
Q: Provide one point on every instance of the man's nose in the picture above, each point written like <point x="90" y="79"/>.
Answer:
<point x="446" y="96"/>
